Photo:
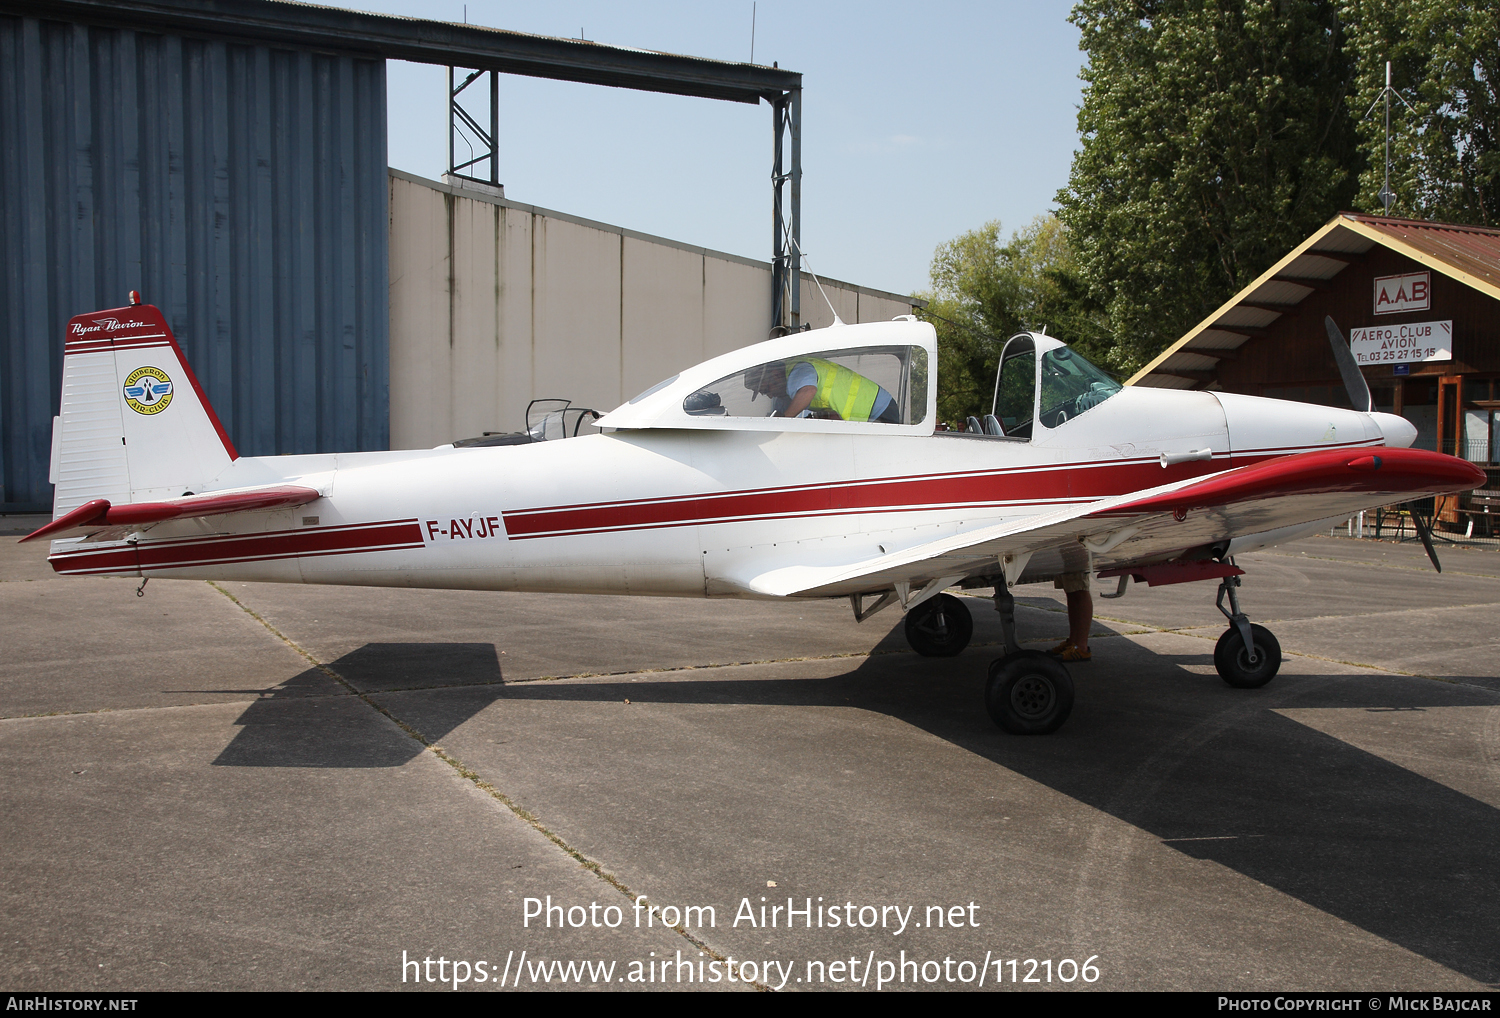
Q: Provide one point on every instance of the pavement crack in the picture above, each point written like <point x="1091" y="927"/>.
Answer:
<point x="467" y="773"/>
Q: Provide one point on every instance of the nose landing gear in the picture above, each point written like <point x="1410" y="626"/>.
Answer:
<point x="1247" y="656"/>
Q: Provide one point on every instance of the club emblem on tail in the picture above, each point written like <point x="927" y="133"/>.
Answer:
<point x="148" y="390"/>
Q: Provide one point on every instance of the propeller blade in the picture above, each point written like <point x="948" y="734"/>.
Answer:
<point x="1354" y="379"/>
<point x="1425" y="533"/>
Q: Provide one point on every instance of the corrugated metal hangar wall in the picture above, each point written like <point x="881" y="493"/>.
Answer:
<point x="240" y="188"/>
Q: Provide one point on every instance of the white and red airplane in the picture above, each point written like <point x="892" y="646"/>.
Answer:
<point x="698" y="487"/>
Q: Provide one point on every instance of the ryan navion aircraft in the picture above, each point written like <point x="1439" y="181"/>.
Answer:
<point x="807" y="466"/>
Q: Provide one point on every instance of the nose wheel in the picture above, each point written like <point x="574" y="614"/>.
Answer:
<point x="1241" y="668"/>
<point x="1247" y="656"/>
<point x="941" y="626"/>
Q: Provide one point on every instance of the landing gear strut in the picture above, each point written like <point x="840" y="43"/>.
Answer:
<point x="1028" y="693"/>
<point x="1247" y="656"/>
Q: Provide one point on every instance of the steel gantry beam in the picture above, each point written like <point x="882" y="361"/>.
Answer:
<point x="358" y="33"/>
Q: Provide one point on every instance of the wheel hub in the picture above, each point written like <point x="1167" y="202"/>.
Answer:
<point x="1032" y="696"/>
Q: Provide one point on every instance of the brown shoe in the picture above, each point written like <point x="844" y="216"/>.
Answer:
<point x="1072" y="653"/>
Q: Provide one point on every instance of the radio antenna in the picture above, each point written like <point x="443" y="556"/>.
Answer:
<point x="1387" y="196"/>
<point x="836" y="319"/>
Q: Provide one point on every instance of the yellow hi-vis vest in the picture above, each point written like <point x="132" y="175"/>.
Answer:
<point x="847" y="393"/>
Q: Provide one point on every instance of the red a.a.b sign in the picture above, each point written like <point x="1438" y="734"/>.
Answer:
<point x="1411" y="291"/>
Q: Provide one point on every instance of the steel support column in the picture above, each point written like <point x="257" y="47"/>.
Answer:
<point x="795" y="275"/>
<point x="786" y="225"/>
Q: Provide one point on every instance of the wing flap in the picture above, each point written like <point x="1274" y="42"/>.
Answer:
<point x="1157" y="523"/>
<point x="99" y="517"/>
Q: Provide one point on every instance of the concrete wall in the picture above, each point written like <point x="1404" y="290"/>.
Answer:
<point x="494" y="303"/>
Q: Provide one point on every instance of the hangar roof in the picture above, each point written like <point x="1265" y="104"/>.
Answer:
<point x="1469" y="254"/>
<point x="387" y="36"/>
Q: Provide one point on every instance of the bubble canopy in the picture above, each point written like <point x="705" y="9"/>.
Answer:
<point x="875" y="378"/>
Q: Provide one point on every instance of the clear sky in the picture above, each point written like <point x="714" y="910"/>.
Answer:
<point x="920" y="121"/>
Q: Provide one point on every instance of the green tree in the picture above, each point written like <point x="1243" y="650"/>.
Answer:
<point x="1445" y="62"/>
<point x="985" y="290"/>
<point x="1215" y="137"/>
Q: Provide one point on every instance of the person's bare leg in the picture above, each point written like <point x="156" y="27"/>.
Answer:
<point x="1080" y="617"/>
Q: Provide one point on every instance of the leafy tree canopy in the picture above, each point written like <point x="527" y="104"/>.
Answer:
<point x="986" y="289"/>
<point x="1215" y="137"/>
<point x="1445" y="148"/>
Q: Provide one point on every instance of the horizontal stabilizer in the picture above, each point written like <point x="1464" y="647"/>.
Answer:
<point x="98" y="515"/>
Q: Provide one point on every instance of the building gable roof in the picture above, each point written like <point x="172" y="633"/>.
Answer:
<point x="1468" y="254"/>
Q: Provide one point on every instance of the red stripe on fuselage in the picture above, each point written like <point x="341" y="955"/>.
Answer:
<point x="1050" y="486"/>
<point x="232" y="549"/>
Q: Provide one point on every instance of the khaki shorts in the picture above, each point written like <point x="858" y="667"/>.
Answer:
<point x="1072" y="583"/>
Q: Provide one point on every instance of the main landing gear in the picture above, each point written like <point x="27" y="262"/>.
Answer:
<point x="1247" y="656"/>
<point x="941" y="626"/>
<point x="1028" y="693"/>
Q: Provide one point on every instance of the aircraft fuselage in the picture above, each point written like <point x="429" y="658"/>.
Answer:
<point x="691" y="513"/>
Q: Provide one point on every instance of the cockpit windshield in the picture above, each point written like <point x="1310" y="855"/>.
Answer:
<point x="1070" y="386"/>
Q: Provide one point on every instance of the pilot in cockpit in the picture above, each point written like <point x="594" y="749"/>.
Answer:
<point x="810" y="386"/>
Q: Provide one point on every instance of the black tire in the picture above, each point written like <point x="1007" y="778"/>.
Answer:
<point x="1029" y="693"/>
<point x="939" y="627"/>
<point x="1232" y="659"/>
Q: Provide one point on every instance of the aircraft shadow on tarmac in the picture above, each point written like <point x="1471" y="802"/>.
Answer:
<point x="299" y="724"/>
<point x="1215" y="773"/>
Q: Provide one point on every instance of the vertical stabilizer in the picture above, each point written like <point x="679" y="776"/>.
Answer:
<point x="135" y="425"/>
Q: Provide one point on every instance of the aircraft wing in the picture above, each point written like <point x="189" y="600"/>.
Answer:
<point x="101" y="520"/>
<point x="1152" y="525"/>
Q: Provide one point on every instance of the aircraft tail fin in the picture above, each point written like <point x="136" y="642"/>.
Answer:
<point x="135" y="425"/>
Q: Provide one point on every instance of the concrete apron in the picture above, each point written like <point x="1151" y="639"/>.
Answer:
<point x="256" y="786"/>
